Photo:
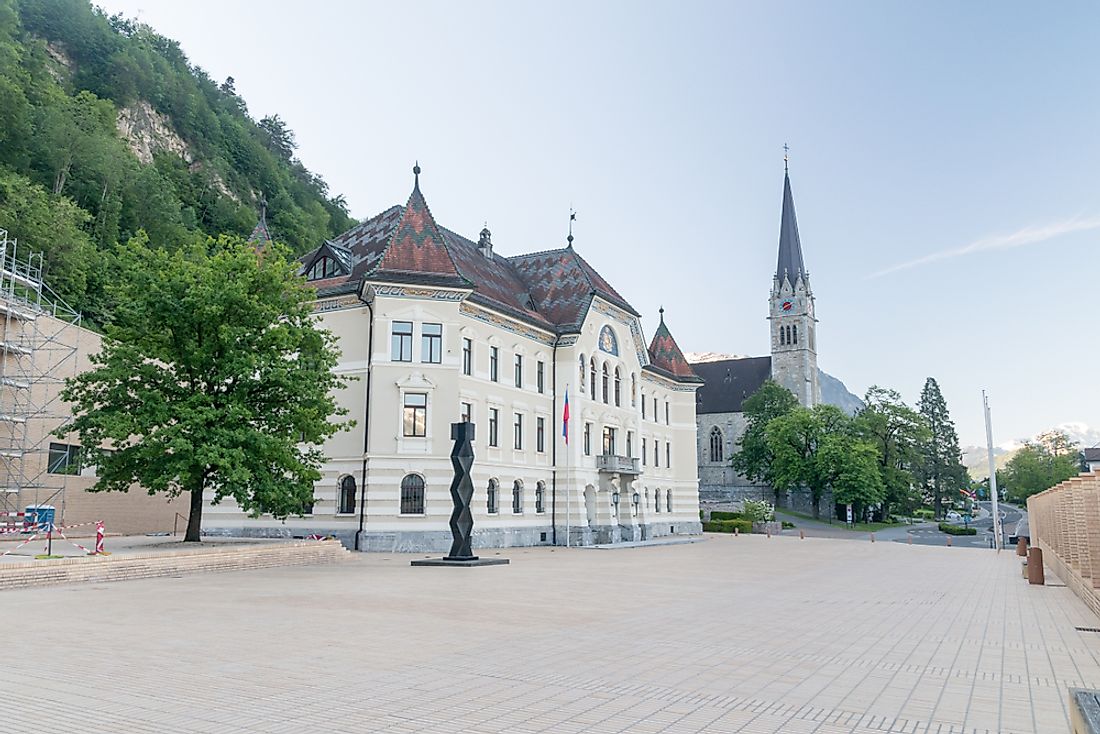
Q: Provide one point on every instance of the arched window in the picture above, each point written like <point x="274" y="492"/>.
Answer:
<point x="517" y="497"/>
<point x="581" y="382"/>
<point x="782" y="335"/>
<point x="716" y="444"/>
<point x="657" y="500"/>
<point x="605" y="382"/>
<point x="633" y="390"/>
<point x="592" y="376"/>
<point x="618" y="388"/>
<point x="412" y="495"/>
<point x="540" y="497"/>
<point x="491" y="497"/>
<point x="668" y="500"/>
<point x="347" y="495"/>
<point x="794" y="334"/>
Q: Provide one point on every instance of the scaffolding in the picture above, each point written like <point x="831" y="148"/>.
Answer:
<point x="39" y="339"/>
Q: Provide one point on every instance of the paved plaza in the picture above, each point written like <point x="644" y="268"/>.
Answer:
<point x="734" y="634"/>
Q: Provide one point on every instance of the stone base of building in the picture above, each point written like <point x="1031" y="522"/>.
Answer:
<point x="439" y="541"/>
<point x="731" y="497"/>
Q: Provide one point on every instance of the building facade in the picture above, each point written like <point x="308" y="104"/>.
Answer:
<point x="436" y="328"/>
<point x="729" y="382"/>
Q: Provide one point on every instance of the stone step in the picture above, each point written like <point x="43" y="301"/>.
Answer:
<point x="98" y="569"/>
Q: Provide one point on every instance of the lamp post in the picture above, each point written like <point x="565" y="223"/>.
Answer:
<point x="997" y="535"/>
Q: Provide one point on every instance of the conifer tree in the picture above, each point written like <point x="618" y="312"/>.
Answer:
<point x="940" y="470"/>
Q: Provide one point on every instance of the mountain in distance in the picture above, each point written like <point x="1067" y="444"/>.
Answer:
<point x="976" y="458"/>
<point x="833" y="390"/>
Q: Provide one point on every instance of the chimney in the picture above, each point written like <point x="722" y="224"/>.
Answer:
<point x="485" y="243"/>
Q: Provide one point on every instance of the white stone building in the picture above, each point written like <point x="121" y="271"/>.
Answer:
<point x="437" y="328"/>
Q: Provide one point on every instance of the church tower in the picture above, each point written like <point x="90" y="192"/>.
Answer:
<point x="793" y="326"/>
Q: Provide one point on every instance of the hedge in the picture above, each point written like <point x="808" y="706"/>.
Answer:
<point x="956" y="529"/>
<point x="719" y="515"/>
<point x="728" y="526"/>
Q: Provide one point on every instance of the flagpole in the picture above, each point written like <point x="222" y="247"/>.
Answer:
<point x="568" y="483"/>
<point x="997" y="532"/>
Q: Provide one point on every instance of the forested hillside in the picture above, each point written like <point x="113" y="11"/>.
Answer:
<point x="106" y="129"/>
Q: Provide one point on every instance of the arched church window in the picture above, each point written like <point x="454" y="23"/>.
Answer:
<point x="782" y="335"/>
<point x="605" y="382"/>
<point x="794" y="334"/>
<point x="716" y="444"/>
<point x="618" y="388"/>
<point x="592" y="376"/>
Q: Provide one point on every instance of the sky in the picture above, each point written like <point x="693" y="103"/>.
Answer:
<point x="943" y="159"/>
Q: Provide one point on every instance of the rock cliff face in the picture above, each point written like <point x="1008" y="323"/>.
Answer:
<point x="147" y="132"/>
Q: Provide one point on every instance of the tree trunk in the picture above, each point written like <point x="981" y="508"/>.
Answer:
<point x="817" y="505"/>
<point x="194" y="519"/>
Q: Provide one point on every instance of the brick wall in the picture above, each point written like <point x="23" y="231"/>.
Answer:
<point x="1065" y="523"/>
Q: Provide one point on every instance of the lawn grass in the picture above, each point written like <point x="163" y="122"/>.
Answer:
<point x="859" y="527"/>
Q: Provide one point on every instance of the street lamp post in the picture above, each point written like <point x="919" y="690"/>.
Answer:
<point x="997" y="533"/>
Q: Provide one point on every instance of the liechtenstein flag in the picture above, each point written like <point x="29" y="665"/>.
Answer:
<point x="565" y="418"/>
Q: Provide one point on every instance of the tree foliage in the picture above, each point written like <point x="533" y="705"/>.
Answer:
<point x="66" y="70"/>
<point x="1039" y="465"/>
<point x="754" y="457"/>
<point x="897" y="433"/>
<point x="213" y="379"/>
<point x="940" y="472"/>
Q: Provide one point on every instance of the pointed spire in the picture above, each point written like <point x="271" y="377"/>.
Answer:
<point x="665" y="354"/>
<point x="661" y="311"/>
<point x="416" y="176"/>
<point x="261" y="235"/>
<point x="790" y="248"/>
<point x="417" y="245"/>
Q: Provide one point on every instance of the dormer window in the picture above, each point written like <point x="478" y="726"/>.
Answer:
<point x="324" y="267"/>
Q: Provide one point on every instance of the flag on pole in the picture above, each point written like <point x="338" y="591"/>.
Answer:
<point x="565" y="418"/>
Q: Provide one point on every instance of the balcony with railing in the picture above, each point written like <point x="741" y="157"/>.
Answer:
<point x="618" y="464"/>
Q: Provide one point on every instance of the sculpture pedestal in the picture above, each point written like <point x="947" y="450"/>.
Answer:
<point x="460" y="562"/>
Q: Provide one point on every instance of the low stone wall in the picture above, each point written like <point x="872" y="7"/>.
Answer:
<point x="98" y="569"/>
<point x="798" y="500"/>
<point x="1064" y="522"/>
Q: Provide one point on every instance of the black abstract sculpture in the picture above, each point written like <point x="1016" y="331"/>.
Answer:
<point x="462" y="494"/>
<point x="462" y="491"/>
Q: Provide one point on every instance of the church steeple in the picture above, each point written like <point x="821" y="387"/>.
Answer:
<point x="790" y="248"/>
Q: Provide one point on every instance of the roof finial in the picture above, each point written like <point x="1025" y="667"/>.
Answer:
<point x="661" y="311"/>
<point x="416" y="175"/>
<point x="572" y="218"/>
<point x="786" y="157"/>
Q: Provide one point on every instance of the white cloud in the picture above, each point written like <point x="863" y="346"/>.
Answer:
<point x="1026" y="236"/>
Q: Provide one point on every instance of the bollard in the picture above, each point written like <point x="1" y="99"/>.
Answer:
<point x="768" y="530"/>
<point x="1021" y="546"/>
<point x="948" y="541"/>
<point x="801" y="534"/>
<point x="99" y="539"/>
<point x="872" y="537"/>
<point x="1035" y="567"/>
<point x="909" y="537"/>
<point x="736" y="532"/>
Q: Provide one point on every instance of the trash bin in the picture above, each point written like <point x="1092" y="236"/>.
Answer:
<point x="39" y="518"/>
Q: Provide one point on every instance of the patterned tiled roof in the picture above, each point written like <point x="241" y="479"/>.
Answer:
<point x="550" y="290"/>
<point x="665" y="354"/>
<point x="261" y="235"/>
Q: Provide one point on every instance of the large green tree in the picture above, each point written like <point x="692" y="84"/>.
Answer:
<point x="817" y="448"/>
<point x="754" y="457"/>
<point x="897" y="432"/>
<point x="1051" y="458"/>
<point x="213" y="379"/>
<point x="940" y="471"/>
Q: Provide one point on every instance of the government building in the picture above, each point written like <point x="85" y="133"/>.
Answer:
<point x="437" y="328"/>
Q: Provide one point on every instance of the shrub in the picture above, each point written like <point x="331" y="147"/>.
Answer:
<point x="758" y="510"/>
<point x="923" y="514"/>
<point x="956" y="529"/>
<point x="728" y="526"/>
<point x="787" y="525"/>
<point x="719" y="515"/>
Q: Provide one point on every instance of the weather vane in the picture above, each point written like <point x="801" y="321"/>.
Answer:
<point x="572" y="218"/>
<point x="786" y="157"/>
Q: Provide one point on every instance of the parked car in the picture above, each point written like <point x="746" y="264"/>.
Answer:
<point x="954" y="517"/>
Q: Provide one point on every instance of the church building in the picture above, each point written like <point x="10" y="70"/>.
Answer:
<point x="437" y="328"/>
<point x="792" y="363"/>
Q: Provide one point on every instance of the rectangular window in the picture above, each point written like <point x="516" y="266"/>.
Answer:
<point x="401" y="345"/>
<point x="64" y="459"/>
<point x="494" y="363"/>
<point x="467" y="356"/>
<point x="668" y="455"/>
<point x="608" y="441"/>
<point x="540" y="376"/>
<point x="656" y="453"/>
<point x="643" y="406"/>
<point x="431" y="343"/>
<point x="517" y="432"/>
<point x="494" y="420"/>
<point x="519" y="370"/>
<point x="415" y="422"/>
<point x="630" y="444"/>
<point x="643" y="453"/>
<point x="666" y="413"/>
<point x="540" y="435"/>
<point x="654" y="410"/>
<point x="587" y="439"/>
<point x="467" y="413"/>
